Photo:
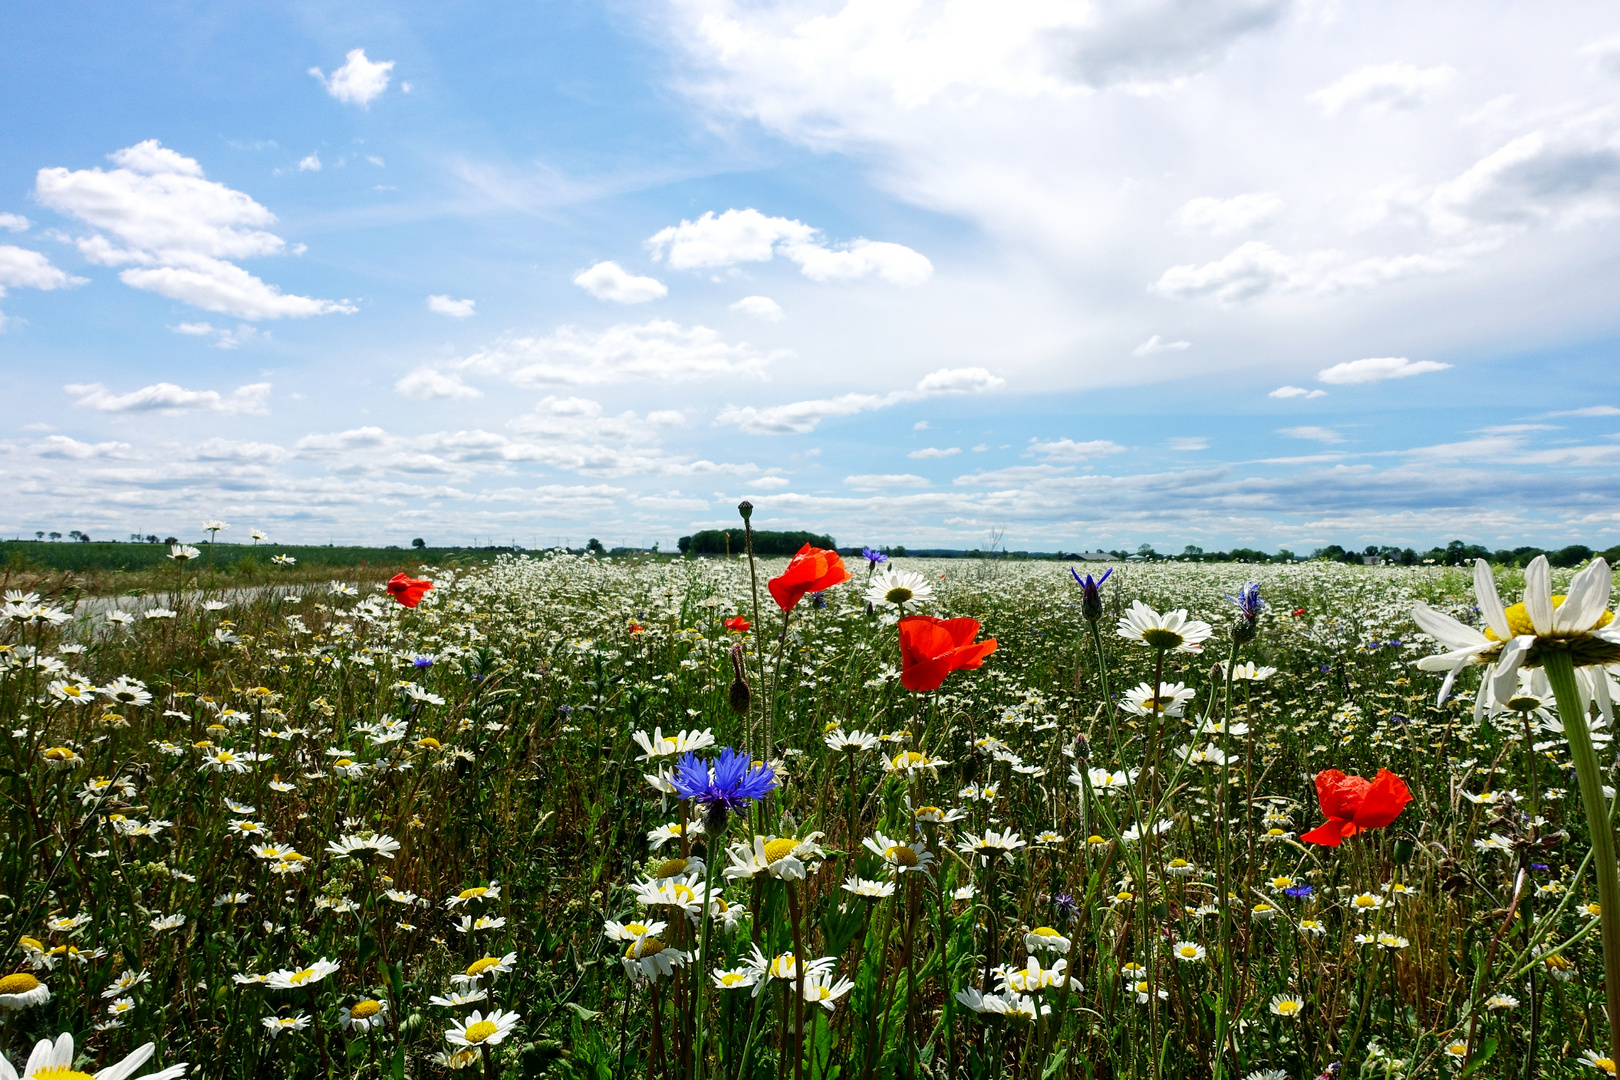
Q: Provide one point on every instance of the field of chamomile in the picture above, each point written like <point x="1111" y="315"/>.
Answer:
<point x="599" y="819"/>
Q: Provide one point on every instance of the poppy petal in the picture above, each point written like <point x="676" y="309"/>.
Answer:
<point x="1328" y="834"/>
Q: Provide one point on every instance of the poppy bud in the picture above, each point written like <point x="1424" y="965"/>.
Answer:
<point x="1403" y="851"/>
<point x="746" y="509"/>
<point x="739" y="684"/>
<point x="1082" y="749"/>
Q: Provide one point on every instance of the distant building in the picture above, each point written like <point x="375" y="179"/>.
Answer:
<point x="1093" y="556"/>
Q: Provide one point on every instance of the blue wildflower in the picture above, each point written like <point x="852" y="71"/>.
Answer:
<point x="1090" y="593"/>
<point x="873" y="558"/>
<point x="1299" y="892"/>
<point x="732" y="782"/>
<point x="820" y="600"/>
<point x="422" y="662"/>
<point x="1540" y="866"/>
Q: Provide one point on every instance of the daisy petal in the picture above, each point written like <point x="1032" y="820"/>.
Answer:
<point x="1588" y="597"/>
<point x="1538" y="595"/>
<point x="1490" y="604"/>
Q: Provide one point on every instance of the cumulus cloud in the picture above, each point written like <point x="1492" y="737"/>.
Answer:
<point x="1603" y="54"/>
<point x="929" y="453"/>
<point x="739" y="236"/>
<point x="658" y="350"/>
<point x="577" y="420"/>
<point x="1589" y="410"/>
<point x="1189" y="442"/>
<point x="224" y="337"/>
<point x="166" y="397"/>
<point x="1156" y="344"/>
<point x="1070" y="450"/>
<point x="312" y="163"/>
<point x="1313" y="433"/>
<point x="1383" y="88"/>
<point x="14" y="223"/>
<point x="610" y="281"/>
<point x="1377" y="369"/>
<point x="442" y="304"/>
<point x="1296" y="392"/>
<point x="1222" y="217"/>
<point x="177" y="232"/>
<point x="760" y="307"/>
<point x="25" y="269"/>
<point x="1559" y="177"/>
<point x="1257" y="270"/>
<point x="430" y="384"/>
<point x="61" y="446"/>
<point x="801" y="417"/>
<point x="359" y="81"/>
<point x="884" y="481"/>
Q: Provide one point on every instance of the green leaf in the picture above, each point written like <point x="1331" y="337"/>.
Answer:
<point x="1486" y="1050"/>
<point x="581" y="1011"/>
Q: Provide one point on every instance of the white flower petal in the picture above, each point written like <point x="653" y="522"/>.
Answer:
<point x="1506" y="674"/>
<point x="1538" y="595"/>
<point x="1490" y="604"/>
<point x="1588" y="597"/>
<point x="1448" y="631"/>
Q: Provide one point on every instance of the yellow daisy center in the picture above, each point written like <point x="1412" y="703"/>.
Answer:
<point x="647" y="946"/>
<point x="362" y="1010"/>
<point x="1179" y="864"/>
<point x="343" y="762"/>
<point x="1188" y="950"/>
<point x="58" y="753"/>
<point x="670" y="868"/>
<point x="1287" y="1008"/>
<point x="480" y="1031"/>
<point x="301" y="977"/>
<point x="473" y="893"/>
<point x="428" y="743"/>
<point x="1518" y="620"/>
<point x="1606" y="1064"/>
<point x="31" y="944"/>
<point x="20" y="983"/>
<point x="732" y="978"/>
<point x="59" y="1072"/>
<point x="478" y="967"/>
<point x="897" y="595"/>
<point x="1045" y="931"/>
<point x="900" y="855"/>
<point x="780" y="848"/>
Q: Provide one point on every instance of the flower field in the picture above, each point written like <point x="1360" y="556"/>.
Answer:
<point x="667" y="819"/>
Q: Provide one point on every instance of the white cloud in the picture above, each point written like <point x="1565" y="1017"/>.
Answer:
<point x="1603" y="54"/>
<point x="224" y="337"/>
<point x="1296" y="392"/>
<point x="441" y="304"/>
<point x="167" y="397"/>
<point x="1070" y="450"/>
<point x="658" y="350"/>
<point x="921" y="425"/>
<point x="579" y="420"/>
<point x="1156" y="344"/>
<point x="1222" y="217"/>
<point x="1589" y="410"/>
<point x="1313" y="433"/>
<point x="1189" y="442"/>
<point x="1560" y="177"/>
<point x="1377" y="369"/>
<point x="178" y="232"/>
<point x="312" y="163"/>
<point x="60" y="446"/>
<point x="929" y="453"/>
<point x="1016" y="474"/>
<point x="428" y="384"/>
<point x="884" y="481"/>
<point x="739" y="236"/>
<point x="14" y="223"/>
<point x="25" y="269"/>
<point x="802" y="417"/>
<point x="610" y="281"/>
<point x="1256" y="270"/>
<point x="760" y="307"/>
<point x="359" y="81"/>
<point x="1383" y="88"/>
<point x="770" y="482"/>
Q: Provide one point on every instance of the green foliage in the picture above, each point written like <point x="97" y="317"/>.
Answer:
<point x="766" y="542"/>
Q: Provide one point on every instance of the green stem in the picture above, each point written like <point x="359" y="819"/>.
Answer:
<point x="1560" y="668"/>
<point x="714" y="848"/>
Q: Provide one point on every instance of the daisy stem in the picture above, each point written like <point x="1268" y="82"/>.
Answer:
<point x="1560" y="669"/>
<point x="703" y="956"/>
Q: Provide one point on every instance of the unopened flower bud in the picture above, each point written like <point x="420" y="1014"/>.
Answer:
<point x="714" y="823"/>
<point x="739" y="694"/>
<point x="1082" y="749"/>
<point x="746" y="509"/>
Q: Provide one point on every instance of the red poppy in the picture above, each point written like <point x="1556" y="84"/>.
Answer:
<point x="931" y="649"/>
<point x="407" y="591"/>
<point x="811" y="570"/>
<point x="636" y="628"/>
<point x="1299" y="611"/>
<point x="1353" y="803"/>
<point x="737" y="625"/>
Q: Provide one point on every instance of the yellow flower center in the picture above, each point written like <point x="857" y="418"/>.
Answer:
<point x="1261" y="909"/>
<point x="58" y="753"/>
<point x="1095" y="839"/>
<point x="428" y="743"/>
<point x="1518" y="620"/>
<point x="1287" y="1008"/>
<point x="1160" y="638"/>
<point x="473" y="893"/>
<point x="670" y="868"/>
<point x="907" y="758"/>
<point x="478" y="967"/>
<point x="1179" y="864"/>
<point x="58" y="1072"/>
<point x="343" y="762"/>
<point x="31" y="944"/>
<point x="362" y="1010"/>
<point x="830" y="728"/>
<point x="1558" y="963"/>
<point x="900" y="855"/>
<point x="927" y="812"/>
<point x="732" y="978"/>
<point x="301" y="977"/>
<point x="480" y="1031"/>
<point x="1045" y="931"/>
<point x="684" y="893"/>
<point x="1189" y="950"/>
<point x="897" y="595"/>
<point x="20" y="983"/>
<point x="1606" y="1064"/>
<point x="780" y="848"/>
<point x="647" y="946"/>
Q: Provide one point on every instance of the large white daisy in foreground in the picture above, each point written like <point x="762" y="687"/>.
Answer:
<point x="54" y="1061"/>
<point x="1514" y="636"/>
<point x="1172" y="631"/>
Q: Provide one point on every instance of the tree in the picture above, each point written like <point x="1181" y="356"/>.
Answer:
<point x="419" y="543"/>
<point x="56" y="536"/>
<point x="40" y="535"/>
<point x="1192" y="551"/>
<point x="594" y="547"/>
<point x="84" y="538"/>
<point x="74" y="534"/>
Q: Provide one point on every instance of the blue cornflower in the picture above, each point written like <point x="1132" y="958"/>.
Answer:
<point x="820" y="599"/>
<point x="1540" y="866"/>
<point x="1067" y="909"/>
<point x="733" y="781"/>
<point x="1248" y="601"/>
<point x="422" y="662"/>
<point x="1090" y="593"/>
<point x="1299" y="892"/>
<point x="873" y="557"/>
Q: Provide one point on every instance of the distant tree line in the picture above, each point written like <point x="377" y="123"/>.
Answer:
<point x="722" y="541"/>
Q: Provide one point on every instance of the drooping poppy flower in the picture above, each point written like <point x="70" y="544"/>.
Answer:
<point x="408" y="591"/>
<point x="812" y="569"/>
<point x="931" y="649"/>
<point x="1353" y="804"/>
<point x="636" y="628"/>
<point x="737" y="625"/>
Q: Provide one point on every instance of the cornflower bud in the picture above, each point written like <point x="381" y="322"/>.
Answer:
<point x="739" y="683"/>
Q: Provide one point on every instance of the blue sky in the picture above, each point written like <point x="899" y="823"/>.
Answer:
<point x="1259" y="272"/>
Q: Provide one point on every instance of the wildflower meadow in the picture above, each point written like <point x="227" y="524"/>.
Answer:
<point x="739" y="818"/>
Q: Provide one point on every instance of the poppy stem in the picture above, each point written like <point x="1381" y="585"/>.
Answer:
<point x="1560" y="669"/>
